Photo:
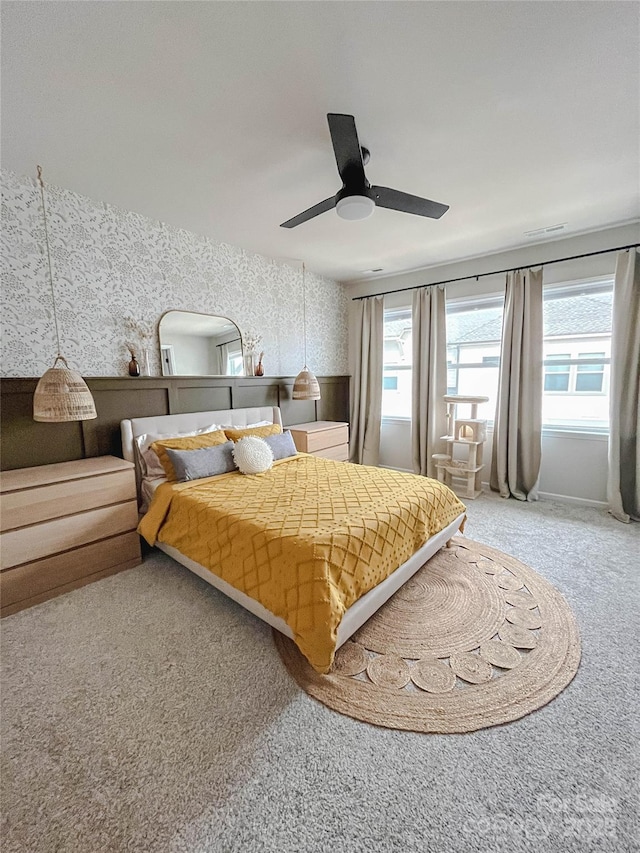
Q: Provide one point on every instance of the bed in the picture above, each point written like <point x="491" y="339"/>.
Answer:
<point x="351" y="534"/>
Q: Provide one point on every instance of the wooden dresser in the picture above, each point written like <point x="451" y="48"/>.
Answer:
<point x="63" y="526"/>
<point x="322" y="438"/>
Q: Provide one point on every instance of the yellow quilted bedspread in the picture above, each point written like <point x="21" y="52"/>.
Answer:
<point x="306" y="539"/>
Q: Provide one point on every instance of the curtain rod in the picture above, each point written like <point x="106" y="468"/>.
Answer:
<point x="232" y="341"/>
<point x="498" y="272"/>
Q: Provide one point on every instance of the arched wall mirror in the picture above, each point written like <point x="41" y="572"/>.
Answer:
<point x="193" y="344"/>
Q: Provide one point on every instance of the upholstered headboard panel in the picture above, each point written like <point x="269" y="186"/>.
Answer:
<point x="163" y="424"/>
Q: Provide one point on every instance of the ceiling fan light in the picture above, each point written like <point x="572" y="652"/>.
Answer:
<point x="355" y="207"/>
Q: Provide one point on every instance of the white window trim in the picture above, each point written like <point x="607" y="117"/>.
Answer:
<point x="590" y="433"/>
<point x="464" y="303"/>
<point x="397" y="419"/>
<point x="557" y="290"/>
<point x="396" y="314"/>
<point x="572" y="369"/>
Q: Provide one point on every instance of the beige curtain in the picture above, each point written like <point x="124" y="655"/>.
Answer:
<point x="623" y="486"/>
<point x="366" y="399"/>
<point x="429" y="377"/>
<point x="517" y="432"/>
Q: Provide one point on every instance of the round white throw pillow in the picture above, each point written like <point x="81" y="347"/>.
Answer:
<point x="252" y="455"/>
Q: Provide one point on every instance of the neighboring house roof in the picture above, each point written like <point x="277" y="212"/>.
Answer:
<point x="396" y="328"/>
<point x="578" y="315"/>
<point x="572" y="315"/>
<point x="481" y="324"/>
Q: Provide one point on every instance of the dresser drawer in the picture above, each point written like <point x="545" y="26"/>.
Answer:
<point x="30" y="506"/>
<point x="41" y="576"/>
<point x="62" y="534"/>
<point x="319" y="437"/>
<point x="339" y="453"/>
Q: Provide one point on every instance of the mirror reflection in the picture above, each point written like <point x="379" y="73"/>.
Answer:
<point x="194" y="344"/>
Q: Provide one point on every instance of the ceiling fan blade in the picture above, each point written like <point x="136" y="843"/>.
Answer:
<point x="316" y="210"/>
<point x="396" y="200"/>
<point x="346" y="148"/>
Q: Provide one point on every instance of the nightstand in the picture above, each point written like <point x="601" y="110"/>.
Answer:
<point x="64" y="526"/>
<point x="322" y="438"/>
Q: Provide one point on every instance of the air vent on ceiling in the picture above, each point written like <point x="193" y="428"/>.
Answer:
<point x="542" y="232"/>
<point x="377" y="269"/>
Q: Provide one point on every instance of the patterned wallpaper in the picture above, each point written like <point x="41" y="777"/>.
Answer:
<point x="111" y="264"/>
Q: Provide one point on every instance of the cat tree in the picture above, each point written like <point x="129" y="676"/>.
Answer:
<point x="460" y="468"/>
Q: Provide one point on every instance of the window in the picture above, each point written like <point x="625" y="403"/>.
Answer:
<point x="474" y="329"/>
<point x="396" y="382"/>
<point x="582" y="373"/>
<point x="473" y="355"/>
<point x="577" y="355"/>
<point x="556" y="376"/>
<point x="590" y="375"/>
<point x="577" y="350"/>
<point x="235" y="367"/>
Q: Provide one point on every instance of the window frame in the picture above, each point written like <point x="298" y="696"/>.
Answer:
<point x="400" y="312"/>
<point x="462" y="304"/>
<point x="590" y="286"/>
<point x="574" y="372"/>
<point x="560" y="290"/>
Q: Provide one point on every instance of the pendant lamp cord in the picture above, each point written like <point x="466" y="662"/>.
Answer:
<point x="304" y="315"/>
<point x="46" y="240"/>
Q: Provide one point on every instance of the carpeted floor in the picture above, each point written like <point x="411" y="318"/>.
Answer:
<point x="147" y="712"/>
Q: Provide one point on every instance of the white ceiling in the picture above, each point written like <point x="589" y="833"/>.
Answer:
<point x="211" y="116"/>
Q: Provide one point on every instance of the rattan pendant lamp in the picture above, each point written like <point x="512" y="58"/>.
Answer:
<point x="306" y="386"/>
<point x="61" y="394"/>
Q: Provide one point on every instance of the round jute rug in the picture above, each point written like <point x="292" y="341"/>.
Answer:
<point x="474" y="639"/>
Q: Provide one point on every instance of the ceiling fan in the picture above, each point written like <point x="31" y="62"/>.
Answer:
<point x="357" y="198"/>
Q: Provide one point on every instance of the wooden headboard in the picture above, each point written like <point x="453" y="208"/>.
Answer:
<point x="24" y="442"/>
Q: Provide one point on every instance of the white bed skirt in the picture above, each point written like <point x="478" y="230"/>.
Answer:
<point x="357" y="614"/>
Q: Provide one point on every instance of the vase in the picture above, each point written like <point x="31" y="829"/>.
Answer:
<point x="145" y="369"/>
<point x="249" y="361"/>
<point x="134" y="367"/>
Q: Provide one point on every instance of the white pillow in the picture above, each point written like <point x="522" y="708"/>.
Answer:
<point x="252" y="455"/>
<point x="147" y="491"/>
<point x="150" y="466"/>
